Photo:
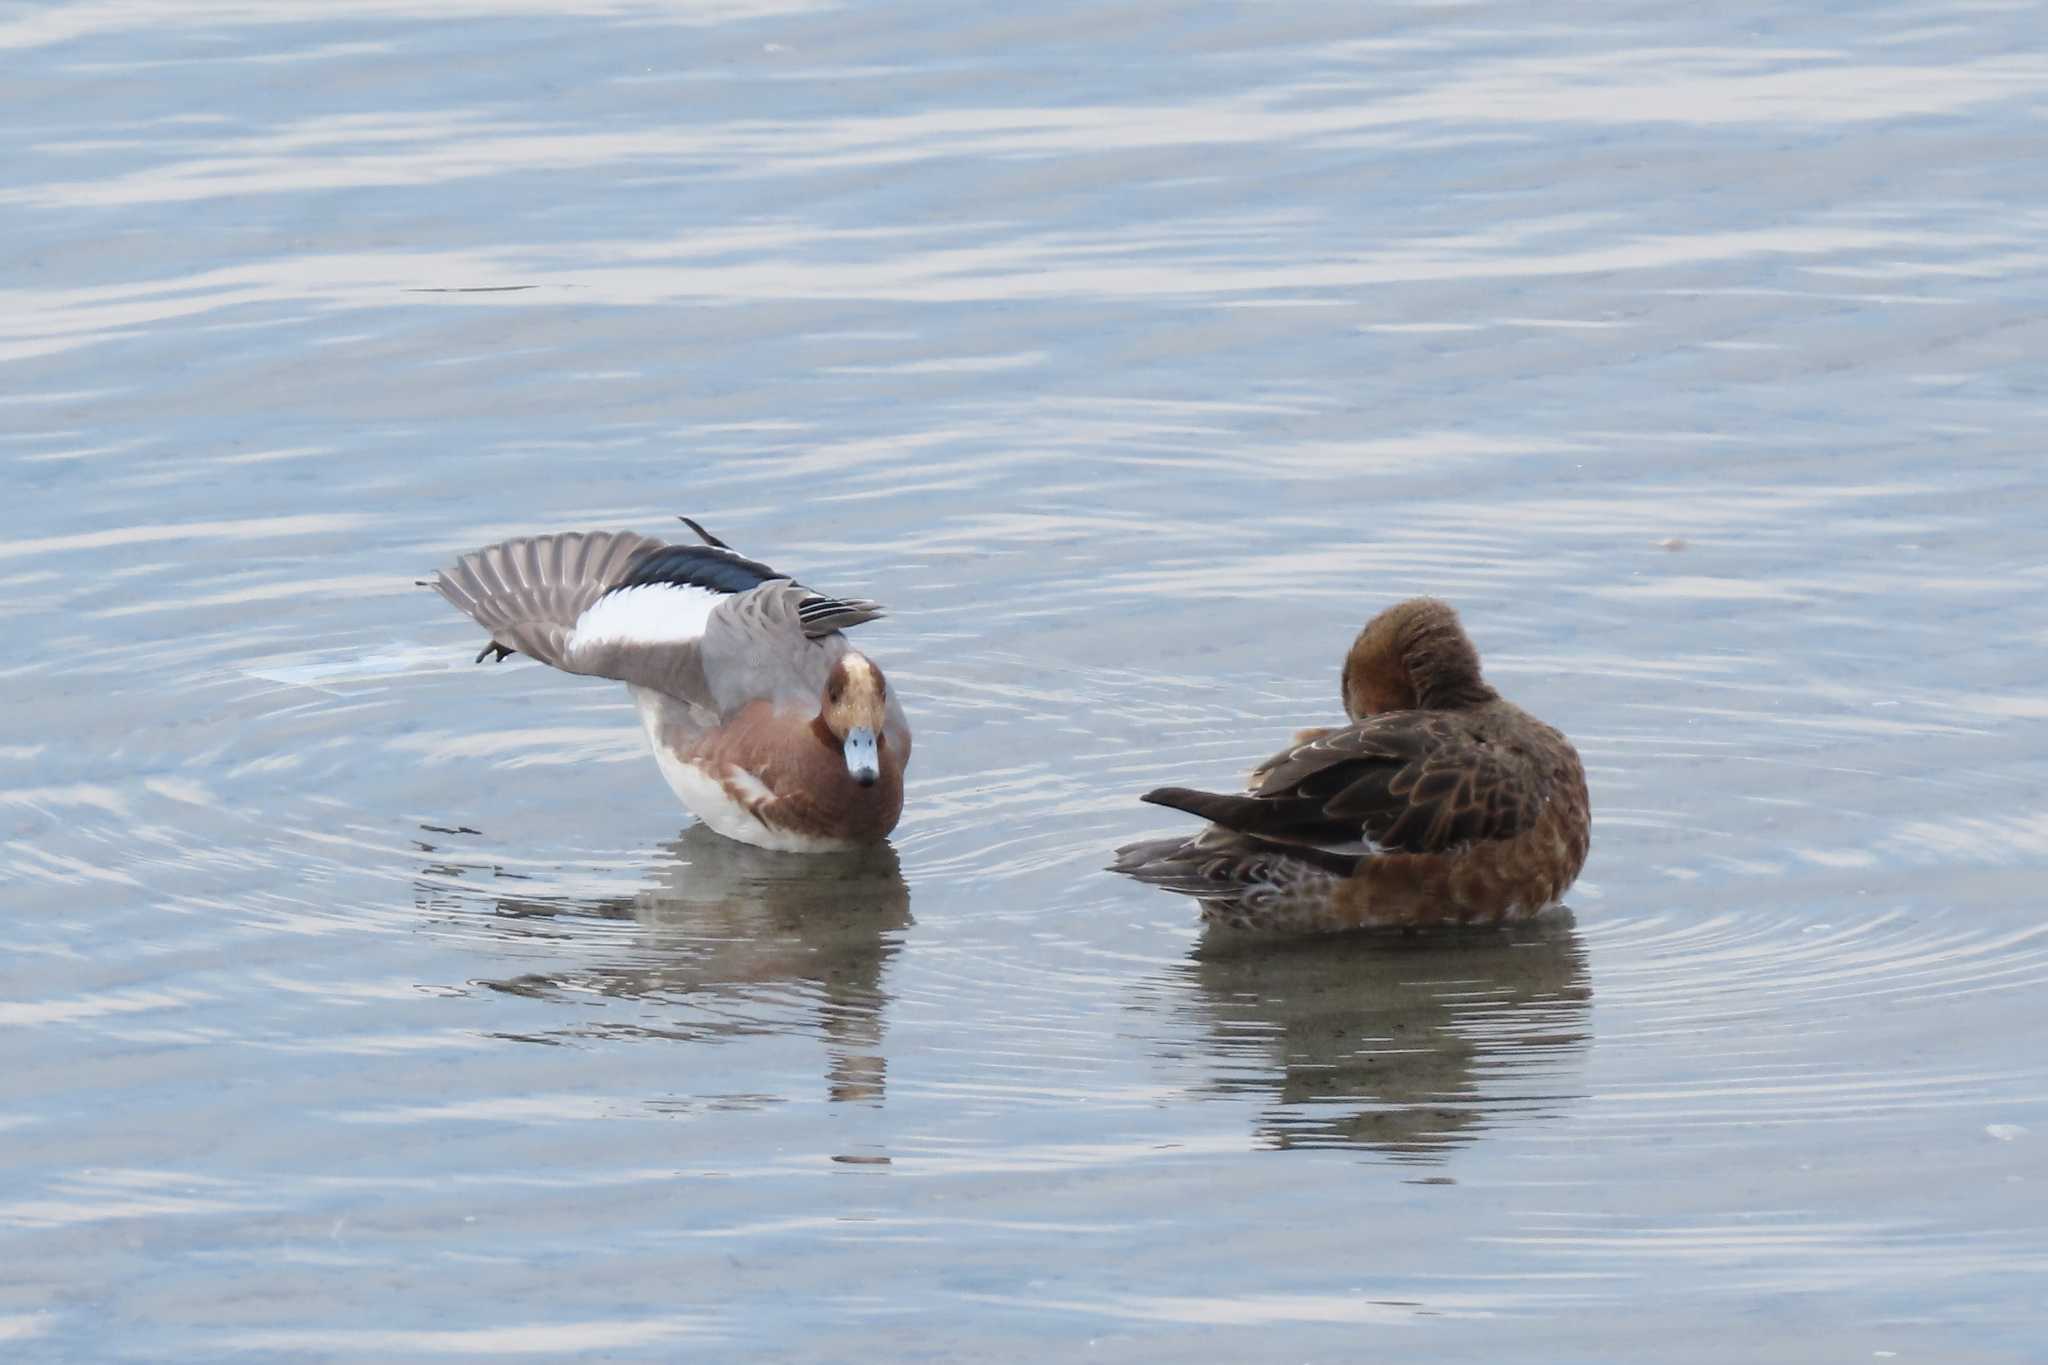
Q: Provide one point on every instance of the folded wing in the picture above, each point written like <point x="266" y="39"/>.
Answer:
<point x="1408" y="782"/>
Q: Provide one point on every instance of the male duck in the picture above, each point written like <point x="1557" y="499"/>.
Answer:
<point x="771" y="729"/>
<point x="1440" y="803"/>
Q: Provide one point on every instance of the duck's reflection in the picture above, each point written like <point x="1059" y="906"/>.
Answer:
<point x="1410" y="1046"/>
<point x="725" y="926"/>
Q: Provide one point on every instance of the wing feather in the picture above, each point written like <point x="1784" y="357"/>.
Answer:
<point x="1406" y="781"/>
<point x="699" y="622"/>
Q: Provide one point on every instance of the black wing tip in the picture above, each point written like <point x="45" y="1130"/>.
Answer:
<point x="816" y="608"/>
<point x="820" y="616"/>
<point x="715" y="567"/>
<point x="703" y="534"/>
<point x="1211" y="806"/>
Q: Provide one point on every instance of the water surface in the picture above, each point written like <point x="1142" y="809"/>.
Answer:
<point x="362" y="1003"/>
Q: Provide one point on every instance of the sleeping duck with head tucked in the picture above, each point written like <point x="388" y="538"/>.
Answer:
<point x="1440" y="802"/>
<point x="768" y="725"/>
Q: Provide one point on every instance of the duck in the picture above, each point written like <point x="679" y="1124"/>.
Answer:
<point x="766" y="723"/>
<point x="1438" y="803"/>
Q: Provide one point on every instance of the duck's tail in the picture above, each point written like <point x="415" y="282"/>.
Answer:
<point x="528" y="592"/>
<point x="1242" y="884"/>
<point x="1159" y="861"/>
<point x="1217" y="861"/>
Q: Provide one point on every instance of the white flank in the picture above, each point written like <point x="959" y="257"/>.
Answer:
<point x="651" y="614"/>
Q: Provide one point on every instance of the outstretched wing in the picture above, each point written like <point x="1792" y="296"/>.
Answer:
<point x="530" y="592"/>
<point x="619" y="605"/>
<point x="1406" y="781"/>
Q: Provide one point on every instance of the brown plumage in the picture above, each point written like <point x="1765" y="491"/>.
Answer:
<point x="1441" y="802"/>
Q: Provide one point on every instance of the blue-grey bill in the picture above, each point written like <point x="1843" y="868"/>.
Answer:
<point x="863" y="759"/>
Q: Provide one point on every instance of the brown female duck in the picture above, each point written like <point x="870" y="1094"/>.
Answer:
<point x="1440" y="803"/>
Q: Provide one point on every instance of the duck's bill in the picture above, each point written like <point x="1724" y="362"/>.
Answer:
<point x="863" y="755"/>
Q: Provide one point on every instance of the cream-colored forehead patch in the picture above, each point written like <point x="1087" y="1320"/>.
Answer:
<point x="860" y="673"/>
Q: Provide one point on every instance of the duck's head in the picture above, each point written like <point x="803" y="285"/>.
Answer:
<point x="852" y="711"/>
<point x="1414" y="655"/>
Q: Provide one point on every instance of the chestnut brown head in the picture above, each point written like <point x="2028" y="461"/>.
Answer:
<point x="853" y="710"/>
<point x="1414" y="655"/>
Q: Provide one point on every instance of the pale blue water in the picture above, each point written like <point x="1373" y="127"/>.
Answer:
<point x="361" y="1004"/>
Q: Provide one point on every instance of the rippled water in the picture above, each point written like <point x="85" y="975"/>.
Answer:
<point x="364" y="1004"/>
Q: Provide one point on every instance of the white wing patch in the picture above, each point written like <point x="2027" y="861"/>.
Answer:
<point x="651" y="614"/>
